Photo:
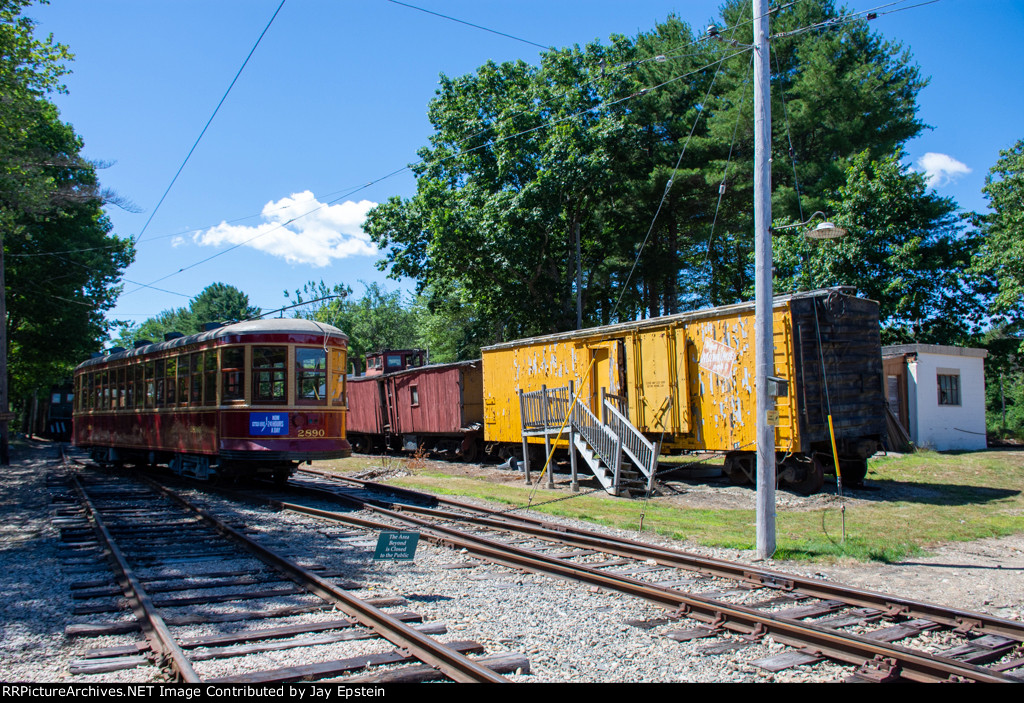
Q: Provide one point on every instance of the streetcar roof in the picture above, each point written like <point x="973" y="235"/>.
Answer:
<point x="251" y="327"/>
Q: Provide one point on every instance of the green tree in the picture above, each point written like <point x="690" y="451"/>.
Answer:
<point x="593" y="138"/>
<point x="906" y="247"/>
<point x="1002" y="253"/>
<point x="218" y="302"/>
<point x="378" y="320"/>
<point x="1004" y="383"/>
<point x="60" y="265"/>
<point x="449" y="326"/>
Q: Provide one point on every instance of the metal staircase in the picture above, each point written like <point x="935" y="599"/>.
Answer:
<point x="617" y="453"/>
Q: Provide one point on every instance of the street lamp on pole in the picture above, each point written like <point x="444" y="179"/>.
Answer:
<point x="826" y="230"/>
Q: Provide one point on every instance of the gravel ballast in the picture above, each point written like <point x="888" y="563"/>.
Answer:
<point x="569" y="632"/>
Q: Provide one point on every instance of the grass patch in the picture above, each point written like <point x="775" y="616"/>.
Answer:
<point x="922" y="500"/>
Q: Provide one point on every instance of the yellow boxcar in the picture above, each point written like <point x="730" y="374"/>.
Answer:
<point x="687" y="381"/>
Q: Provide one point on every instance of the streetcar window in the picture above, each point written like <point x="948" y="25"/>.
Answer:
<point x="232" y="373"/>
<point x="158" y="382"/>
<point x="210" y="376"/>
<point x="150" y="384"/>
<point x="171" y="380"/>
<point x="140" y="385"/>
<point x="124" y="381"/>
<point x="414" y="393"/>
<point x="311" y="376"/>
<point x="122" y="386"/>
<point x="269" y="384"/>
<point x="394" y="361"/>
<point x="338" y="377"/>
<point x="104" y="386"/>
<point x="184" y="374"/>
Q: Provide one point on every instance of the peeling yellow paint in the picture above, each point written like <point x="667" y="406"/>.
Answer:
<point x="658" y="369"/>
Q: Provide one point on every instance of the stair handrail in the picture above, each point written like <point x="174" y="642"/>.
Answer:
<point x="640" y="449"/>
<point x="605" y="442"/>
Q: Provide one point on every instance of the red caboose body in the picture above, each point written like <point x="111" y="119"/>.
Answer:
<point x="436" y="409"/>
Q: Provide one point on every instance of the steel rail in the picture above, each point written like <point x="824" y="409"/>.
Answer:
<point x="456" y="666"/>
<point x="961" y="620"/>
<point x="846" y="647"/>
<point x="161" y="641"/>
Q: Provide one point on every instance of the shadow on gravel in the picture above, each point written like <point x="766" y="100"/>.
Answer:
<point x="425" y="598"/>
<point x="998" y="567"/>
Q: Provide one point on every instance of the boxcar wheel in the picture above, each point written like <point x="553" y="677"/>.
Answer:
<point x="469" y="452"/>
<point x="854" y="471"/>
<point x="735" y="471"/>
<point x="813" y="478"/>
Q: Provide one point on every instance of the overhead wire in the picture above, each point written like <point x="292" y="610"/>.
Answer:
<point x="470" y="24"/>
<point x="669" y="183"/>
<point x="208" y="122"/>
<point x="871" y="13"/>
<point x="489" y="143"/>
<point x="415" y="164"/>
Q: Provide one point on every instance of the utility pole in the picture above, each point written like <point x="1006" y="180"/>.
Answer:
<point x="764" y="353"/>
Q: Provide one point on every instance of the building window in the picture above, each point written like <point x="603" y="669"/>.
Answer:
<point x="949" y="389"/>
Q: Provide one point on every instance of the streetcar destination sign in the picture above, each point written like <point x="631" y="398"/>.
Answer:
<point x="396" y="546"/>
<point x="268" y="424"/>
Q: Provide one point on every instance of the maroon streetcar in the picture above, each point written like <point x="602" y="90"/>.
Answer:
<point x="436" y="408"/>
<point x="251" y="398"/>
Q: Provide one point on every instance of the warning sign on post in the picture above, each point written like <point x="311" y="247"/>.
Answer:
<point x="396" y="546"/>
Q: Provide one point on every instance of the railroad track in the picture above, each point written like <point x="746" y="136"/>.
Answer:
<point x="879" y="637"/>
<point x="200" y="589"/>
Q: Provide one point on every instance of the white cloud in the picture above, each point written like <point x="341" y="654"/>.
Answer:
<point x="318" y="234"/>
<point x="940" y="169"/>
<point x="177" y="242"/>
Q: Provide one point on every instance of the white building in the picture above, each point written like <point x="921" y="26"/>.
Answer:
<point x="938" y="394"/>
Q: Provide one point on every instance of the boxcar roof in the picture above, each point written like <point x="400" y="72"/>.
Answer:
<point x="690" y="316"/>
<point x="415" y="369"/>
<point x="251" y="327"/>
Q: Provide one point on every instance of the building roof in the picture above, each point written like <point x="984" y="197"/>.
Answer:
<point x="905" y="349"/>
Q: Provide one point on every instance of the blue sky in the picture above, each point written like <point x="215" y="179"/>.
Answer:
<point x="335" y="98"/>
